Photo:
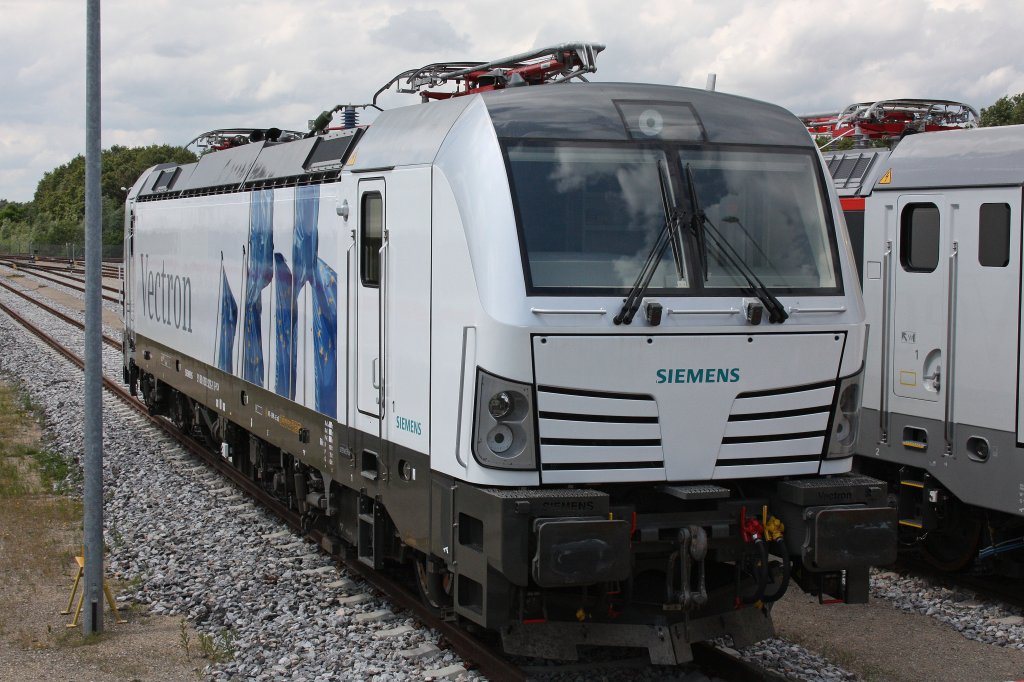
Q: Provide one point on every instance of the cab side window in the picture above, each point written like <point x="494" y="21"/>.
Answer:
<point x="994" y="235"/>
<point x="919" y="237"/>
<point x="371" y="235"/>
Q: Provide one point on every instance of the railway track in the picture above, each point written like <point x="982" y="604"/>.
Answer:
<point x="108" y="340"/>
<point x="110" y="266"/>
<point x="479" y="654"/>
<point x="113" y="294"/>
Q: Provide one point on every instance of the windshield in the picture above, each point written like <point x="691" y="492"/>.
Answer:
<point x="590" y="215"/>
<point x="768" y="207"/>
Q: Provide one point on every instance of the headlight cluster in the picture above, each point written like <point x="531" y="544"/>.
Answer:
<point x="503" y="430"/>
<point x="846" y="423"/>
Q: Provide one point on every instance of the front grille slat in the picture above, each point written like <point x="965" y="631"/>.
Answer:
<point x="794" y="400"/>
<point x="598" y="434"/>
<point x="817" y="422"/>
<point x="588" y="404"/>
<point x="564" y="428"/>
<point x="788" y="425"/>
<point x="810" y="446"/>
<point x="622" y="456"/>
<point x="616" y="419"/>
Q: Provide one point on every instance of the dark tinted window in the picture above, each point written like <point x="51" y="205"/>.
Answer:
<point x="590" y="215"/>
<point x="855" y="226"/>
<point x="919" y="238"/>
<point x="994" y="235"/>
<point x="371" y="228"/>
<point x="166" y="179"/>
<point x="330" y="151"/>
<point x="661" y="120"/>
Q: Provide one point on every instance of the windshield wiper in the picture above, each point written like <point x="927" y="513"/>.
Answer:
<point x="670" y="234"/>
<point x="699" y="220"/>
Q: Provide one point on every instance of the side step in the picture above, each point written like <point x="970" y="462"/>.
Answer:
<point x="370" y="536"/>
<point x="916" y="502"/>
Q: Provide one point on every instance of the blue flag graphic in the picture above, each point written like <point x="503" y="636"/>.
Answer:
<point x="284" y="307"/>
<point x="325" y="339"/>
<point x="307" y="269"/>
<point x="261" y="264"/>
<point x="228" y="324"/>
<point x="304" y="246"/>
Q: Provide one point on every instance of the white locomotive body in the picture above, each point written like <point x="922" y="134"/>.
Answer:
<point x="415" y="333"/>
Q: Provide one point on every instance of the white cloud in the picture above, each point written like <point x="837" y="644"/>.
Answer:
<point x="418" y="30"/>
<point x="174" y="69"/>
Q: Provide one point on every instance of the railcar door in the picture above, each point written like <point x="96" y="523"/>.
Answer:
<point x="369" y="298"/>
<point x="127" y="311"/>
<point x="921" y="302"/>
<point x="986" y="287"/>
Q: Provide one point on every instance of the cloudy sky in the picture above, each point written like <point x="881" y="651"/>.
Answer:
<point x="175" y="68"/>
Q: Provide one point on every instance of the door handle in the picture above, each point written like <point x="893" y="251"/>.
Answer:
<point x="376" y="377"/>
<point x="935" y="378"/>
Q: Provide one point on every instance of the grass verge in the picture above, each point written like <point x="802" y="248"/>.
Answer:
<point x="40" y="531"/>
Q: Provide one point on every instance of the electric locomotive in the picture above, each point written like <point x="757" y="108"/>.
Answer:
<point x="586" y="356"/>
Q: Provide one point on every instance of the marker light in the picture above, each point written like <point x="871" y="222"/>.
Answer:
<point x="500" y="439"/>
<point x="503" y="430"/>
<point x="500" y="405"/>
<point x="846" y="423"/>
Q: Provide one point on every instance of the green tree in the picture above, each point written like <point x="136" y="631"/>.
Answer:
<point x="16" y="223"/>
<point x="56" y="215"/>
<point x="14" y="212"/>
<point x="59" y="201"/>
<point x="1005" y="111"/>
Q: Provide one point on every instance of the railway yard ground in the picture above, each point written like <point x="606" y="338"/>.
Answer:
<point x="911" y="630"/>
<point x="40" y="533"/>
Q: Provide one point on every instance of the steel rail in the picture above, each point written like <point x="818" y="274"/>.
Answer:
<point x="73" y="274"/>
<point x="474" y="652"/>
<point x="40" y="275"/>
<point x="109" y="270"/>
<point x="717" y="663"/>
<point x="77" y="266"/>
<point x="109" y="340"/>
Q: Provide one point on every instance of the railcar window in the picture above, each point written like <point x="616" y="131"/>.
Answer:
<point x="994" y="235"/>
<point x="371" y="238"/>
<point x="919" y="238"/>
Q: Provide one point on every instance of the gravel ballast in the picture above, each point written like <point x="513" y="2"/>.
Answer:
<point x="192" y="546"/>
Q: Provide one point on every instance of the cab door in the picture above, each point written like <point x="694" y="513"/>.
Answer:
<point x="921" y="303"/>
<point x="369" y="299"/>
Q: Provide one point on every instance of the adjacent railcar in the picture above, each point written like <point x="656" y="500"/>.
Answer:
<point x="942" y="420"/>
<point x="586" y="355"/>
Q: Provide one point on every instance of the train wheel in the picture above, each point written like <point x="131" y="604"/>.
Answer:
<point x="181" y="413"/>
<point x="435" y="587"/>
<point x="954" y="546"/>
